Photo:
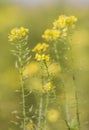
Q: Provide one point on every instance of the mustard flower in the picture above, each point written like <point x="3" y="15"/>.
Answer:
<point x="51" y="34"/>
<point x="40" y="47"/>
<point x="71" y="19"/>
<point x="47" y="87"/>
<point x="63" y="21"/>
<point x="17" y="34"/>
<point x="53" y="115"/>
<point x="60" y="22"/>
<point x="42" y="57"/>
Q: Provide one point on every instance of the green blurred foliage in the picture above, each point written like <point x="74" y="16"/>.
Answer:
<point x="37" y="19"/>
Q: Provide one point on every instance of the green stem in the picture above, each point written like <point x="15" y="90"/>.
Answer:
<point x="46" y="110"/>
<point x="75" y="88"/>
<point x="23" y="87"/>
<point x="47" y="98"/>
<point x="65" y="92"/>
<point x="23" y="101"/>
<point x="40" y="112"/>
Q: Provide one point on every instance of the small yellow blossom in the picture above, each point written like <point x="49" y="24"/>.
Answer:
<point x="53" y="115"/>
<point x="40" y="47"/>
<point x="71" y="19"/>
<point x="31" y="69"/>
<point x="47" y="87"/>
<point x="17" y="34"/>
<point x="42" y="57"/>
<point x="63" y="21"/>
<point x="51" y="34"/>
<point x="54" y="69"/>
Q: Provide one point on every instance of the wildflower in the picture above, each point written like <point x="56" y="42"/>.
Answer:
<point x="53" y="115"/>
<point x="64" y="21"/>
<point x="42" y="57"/>
<point x="40" y="47"/>
<point x="71" y="19"/>
<point x="51" y="34"/>
<point x="61" y="22"/>
<point x="54" y="69"/>
<point x="17" y="34"/>
<point x="31" y="69"/>
<point x="47" y="87"/>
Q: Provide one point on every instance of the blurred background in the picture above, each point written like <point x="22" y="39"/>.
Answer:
<point x="37" y="15"/>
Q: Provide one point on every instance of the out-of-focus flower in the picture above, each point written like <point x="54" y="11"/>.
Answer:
<point x="40" y="47"/>
<point x="42" y="57"/>
<point x="54" y="69"/>
<point x="51" y="34"/>
<point x="17" y="34"/>
<point x="71" y="19"/>
<point x="30" y="126"/>
<point x="60" y="22"/>
<point x="31" y="69"/>
<point x="53" y="115"/>
<point x="63" y="21"/>
<point x="47" y="87"/>
<point x="35" y="84"/>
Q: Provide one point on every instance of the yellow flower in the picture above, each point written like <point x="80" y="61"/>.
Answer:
<point x="54" y="69"/>
<point x="47" y="87"/>
<point x="51" y="34"/>
<point x="42" y="57"/>
<point x="31" y="69"/>
<point x="17" y="34"/>
<point x="71" y="19"/>
<point x="53" y="115"/>
<point x="40" y="47"/>
<point x="61" y="22"/>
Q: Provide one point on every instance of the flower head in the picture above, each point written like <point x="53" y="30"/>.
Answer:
<point x="47" y="87"/>
<point x="42" y="57"/>
<point x="63" y="21"/>
<point x="53" y="115"/>
<point x="40" y="47"/>
<point x="60" y="22"/>
<point x="51" y="34"/>
<point x="71" y="19"/>
<point x="17" y="34"/>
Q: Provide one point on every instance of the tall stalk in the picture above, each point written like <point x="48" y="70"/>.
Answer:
<point x="40" y="112"/>
<point x="75" y="87"/>
<point x="22" y="86"/>
<point x="39" y="124"/>
<point x="47" y="98"/>
<point x="65" y="92"/>
<point x="18" y="37"/>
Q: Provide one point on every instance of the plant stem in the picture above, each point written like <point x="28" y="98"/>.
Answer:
<point x="40" y="111"/>
<point x="47" y="98"/>
<point x="46" y="110"/>
<point x="75" y="88"/>
<point x="65" y="92"/>
<point x="23" y="87"/>
<point x="23" y="101"/>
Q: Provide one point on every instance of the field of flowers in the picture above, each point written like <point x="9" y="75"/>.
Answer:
<point x="44" y="68"/>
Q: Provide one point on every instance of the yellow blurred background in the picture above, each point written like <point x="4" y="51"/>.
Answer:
<point x="38" y="17"/>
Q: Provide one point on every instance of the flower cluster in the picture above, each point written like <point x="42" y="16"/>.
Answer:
<point x="17" y="34"/>
<point x="47" y="87"/>
<point x="40" y="50"/>
<point x="42" y="57"/>
<point x="51" y="34"/>
<point x="40" y="47"/>
<point x="60" y="28"/>
<point x="63" y="21"/>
